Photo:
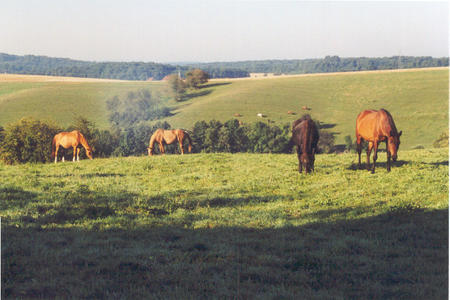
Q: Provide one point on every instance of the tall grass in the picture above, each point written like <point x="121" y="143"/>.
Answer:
<point x="226" y="226"/>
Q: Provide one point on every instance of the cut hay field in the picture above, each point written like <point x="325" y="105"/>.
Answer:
<point x="228" y="226"/>
<point x="418" y="100"/>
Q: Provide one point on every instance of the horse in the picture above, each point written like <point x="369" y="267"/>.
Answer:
<point x="375" y="127"/>
<point x="70" y="139"/>
<point x="162" y="136"/>
<point x="305" y="136"/>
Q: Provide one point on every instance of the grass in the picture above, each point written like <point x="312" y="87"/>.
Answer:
<point x="61" y="101"/>
<point x="417" y="99"/>
<point x="239" y="226"/>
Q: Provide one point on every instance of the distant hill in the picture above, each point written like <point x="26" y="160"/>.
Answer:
<point x="43" y="65"/>
<point x="328" y="64"/>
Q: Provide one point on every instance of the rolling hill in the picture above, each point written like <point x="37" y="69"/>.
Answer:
<point x="417" y="99"/>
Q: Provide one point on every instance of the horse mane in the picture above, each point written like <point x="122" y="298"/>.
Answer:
<point x="394" y="131"/>
<point x="83" y="140"/>
<point x="302" y="118"/>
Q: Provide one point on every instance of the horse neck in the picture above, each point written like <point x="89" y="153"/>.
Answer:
<point x="84" y="142"/>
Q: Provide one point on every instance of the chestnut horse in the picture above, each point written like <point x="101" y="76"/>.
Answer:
<point x="375" y="127"/>
<point x="70" y="139"/>
<point x="162" y="136"/>
<point x="305" y="136"/>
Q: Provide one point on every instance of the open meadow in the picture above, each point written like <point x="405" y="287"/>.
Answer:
<point x="234" y="226"/>
<point x="417" y="99"/>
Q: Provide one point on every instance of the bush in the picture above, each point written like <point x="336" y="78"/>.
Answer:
<point x="28" y="140"/>
<point x="442" y="141"/>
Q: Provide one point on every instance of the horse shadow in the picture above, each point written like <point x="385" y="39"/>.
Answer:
<point x="398" y="163"/>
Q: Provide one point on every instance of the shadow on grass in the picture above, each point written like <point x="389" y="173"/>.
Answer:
<point x="15" y="197"/>
<point x="401" y="254"/>
<point x="209" y="85"/>
<point x="398" y="163"/>
<point x="439" y="163"/>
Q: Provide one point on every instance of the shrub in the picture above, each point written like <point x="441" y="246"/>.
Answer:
<point x="28" y="140"/>
<point x="442" y="141"/>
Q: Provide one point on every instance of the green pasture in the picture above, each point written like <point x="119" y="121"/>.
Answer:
<point x="418" y="101"/>
<point x="62" y="101"/>
<point x="227" y="226"/>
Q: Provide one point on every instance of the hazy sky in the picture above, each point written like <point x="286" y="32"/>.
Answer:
<point x="182" y="30"/>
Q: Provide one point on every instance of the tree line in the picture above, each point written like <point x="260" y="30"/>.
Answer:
<point x="43" y="65"/>
<point x="329" y="64"/>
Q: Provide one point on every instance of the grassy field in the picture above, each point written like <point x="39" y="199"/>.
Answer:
<point x="418" y="100"/>
<point x="234" y="226"/>
<point x="62" y="101"/>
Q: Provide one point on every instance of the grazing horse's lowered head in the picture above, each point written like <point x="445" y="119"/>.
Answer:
<point x="305" y="136"/>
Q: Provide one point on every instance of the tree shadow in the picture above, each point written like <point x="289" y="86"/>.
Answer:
<point x="400" y="254"/>
<point x="209" y="85"/>
<point x="15" y="197"/>
<point x="327" y="126"/>
<point x="192" y="95"/>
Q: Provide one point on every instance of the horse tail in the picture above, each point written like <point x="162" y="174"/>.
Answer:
<point x="54" y="147"/>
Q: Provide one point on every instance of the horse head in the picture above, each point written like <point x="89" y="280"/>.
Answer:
<point x="307" y="161"/>
<point x="89" y="153"/>
<point x="150" y="151"/>
<point x="394" y="144"/>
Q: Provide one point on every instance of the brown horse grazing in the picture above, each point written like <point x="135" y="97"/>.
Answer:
<point x="305" y="136"/>
<point x="162" y="136"/>
<point x="70" y="139"/>
<point x="375" y="127"/>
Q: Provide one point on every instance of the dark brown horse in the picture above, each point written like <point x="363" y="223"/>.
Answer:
<point x="374" y="127"/>
<point x="162" y="136"/>
<point x="73" y="140"/>
<point x="305" y="136"/>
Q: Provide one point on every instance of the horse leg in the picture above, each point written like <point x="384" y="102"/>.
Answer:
<point x="359" y="148"/>
<point x="161" y="148"/>
<point x="369" y="150"/>
<point x="388" y="157"/>
<point x="56" y="153"/>
<point x="375" y="156"/>
<point x="74" y="153"/>
<point x="300" y="166"/>
<point x="181" y="146"/>
<point x="78" y="154"/>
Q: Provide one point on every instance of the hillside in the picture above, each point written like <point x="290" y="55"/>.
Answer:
<point x="417" y="98"/>
<point x="228" y="225"/>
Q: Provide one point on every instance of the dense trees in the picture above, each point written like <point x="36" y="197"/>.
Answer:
<point x="42" y="65"/>
<point x="195" y="78"/>
<point x="27" y="140"/>
<point x="135" y="107"/>
<point x="327" y="64"/>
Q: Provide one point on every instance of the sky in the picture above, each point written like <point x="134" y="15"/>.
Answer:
<point x="211" y="31"/>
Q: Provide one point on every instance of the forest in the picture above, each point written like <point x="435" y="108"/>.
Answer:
<point x="43" y="65"/>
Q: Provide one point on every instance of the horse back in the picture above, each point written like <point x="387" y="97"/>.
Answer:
<point x="305" y="135"/>
<point x="374" y="125"/>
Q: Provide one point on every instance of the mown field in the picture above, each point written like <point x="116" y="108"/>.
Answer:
<point x="229" y="226"/>
<point x="417" y="99"/>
